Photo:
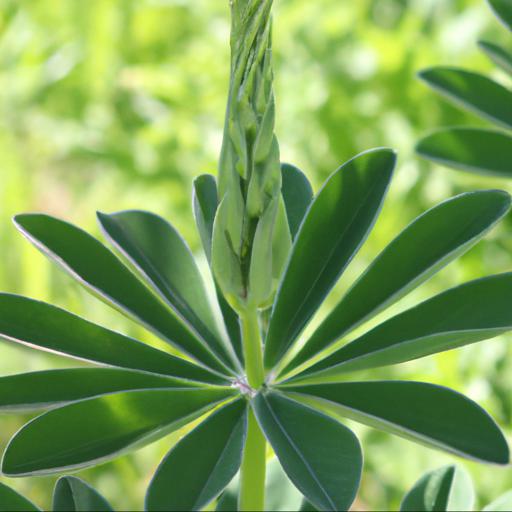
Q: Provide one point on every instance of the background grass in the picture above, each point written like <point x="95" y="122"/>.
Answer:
<point x="115" y="104"/>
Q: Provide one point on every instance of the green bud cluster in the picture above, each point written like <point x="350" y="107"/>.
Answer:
<point x="247" y="257"/>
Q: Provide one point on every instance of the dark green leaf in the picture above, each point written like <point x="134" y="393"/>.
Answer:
<point x="445" y="489"/>
<point x="164" y="260"/>
<point x="336" y="225"/>
<point x="320" y="456"/>
<point x="74" y="495"/>
<point x="205" y="207"/>
<point x="497" y="54"/>
<point x="475" y="92"/>
<point x="470" y="149"/>
<point x="503" y="503"/>
<point x="94" y="266"/>
<point x="11" y="501"/>
<point x="30" y="391"/>
<point x="228" y="502"/>
<point x="472" y="312"/>
<point x="429" y="414"/>
<point x="53" y="329"/>
<point x="202" y="464"/>
<point x="297" y="195"/>
<point x="91" y="431"/>
<point x="503" y="9"/>
<point x="430" y="242"/>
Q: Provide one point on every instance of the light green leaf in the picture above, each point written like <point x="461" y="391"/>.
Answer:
<point x="336" y="225"/>
<point x="11" y="501"/>
<point x="320" y="456"/>
<point x="94" y="430"/>
<point x="429" y="243"/>
<point x="472" y="312"/>
<point x="55" y="330"/>
<point x="497" y="54"/>
<point x="425" y="413"/>
<point x="31" y="391"/>
<point x="470" y="149"/>
<point x="165" y="261"/>
<point x="94" y="266"/>
<point x="202" y="464"/>
<point x="297" y="195"/>
<point x="74" y="495"/>
<point x="205" y="208"/>
<point x="503" y="9"/>
<point x="503" y="503"/>
<point x="472" y="91"/>
<point x="445" y="489"/>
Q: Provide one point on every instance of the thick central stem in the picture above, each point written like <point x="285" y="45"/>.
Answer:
<point x="252" y="477"/>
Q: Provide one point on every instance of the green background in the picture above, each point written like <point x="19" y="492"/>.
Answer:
<point x="113" y="104"/>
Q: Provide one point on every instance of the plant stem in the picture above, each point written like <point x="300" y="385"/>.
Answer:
<point x="252" y="475"/>
<point x="252" y="348"/>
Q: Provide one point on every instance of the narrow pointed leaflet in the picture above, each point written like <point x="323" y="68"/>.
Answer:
<point x="74" y="495"/>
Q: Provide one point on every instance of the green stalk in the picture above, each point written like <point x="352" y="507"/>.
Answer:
<point x="252" y="476"/>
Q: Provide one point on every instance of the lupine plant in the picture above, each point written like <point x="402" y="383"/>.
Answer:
<point x="446" y="489"/>
<point x="480" y="150"/>
<point x="245" y="365"/>
<point x="70" y="495"/>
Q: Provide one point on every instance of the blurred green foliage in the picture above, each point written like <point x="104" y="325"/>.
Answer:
<point x="115" y="104"/>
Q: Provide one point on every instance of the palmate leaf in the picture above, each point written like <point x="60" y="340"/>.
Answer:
<point x="202" y="464"/>
<point x="429" y="243"/>
<point x="445" y="489"/>
<point x="11" y="501"/>
<point x="472" y="312"/>
<point x="470" y="149"/>
<point x="205" y="207"/>
<point x="94" y="266"/>
<point x="336" y="225"/>
<point x="53" y="329"/>
<point x="164" y="259"/>
<point x="32" y="391"/>
<point x="426" y="413"/>
<point x="74" y="495"/>
<point x="96" y="429"/>
<point x="320" y="456"/>
<point x="473" y="91"/>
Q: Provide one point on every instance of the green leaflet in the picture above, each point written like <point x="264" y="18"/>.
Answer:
<point x="205" y="207"/>
<point x="11" y="501"/>
<point x="503" y="9"/>
<point x="478" y="310"/>
<point x="335" y="226"/>
<point x="94" y="266"/>
<point x="297" y="194"/>
<point x="202" y="464"/>
<point x="93" y="430"/>
<point x="425" y="413"/>
<point x="473" y="91"/>
<point x="320" y="456"/>
<point x="445" y="489"/>
<point x="428" y="244"/>
<point x="470" y="149"/>
<point x="31" y="391"/>
<point x="56" y="330"/>
<point x="497" y="54"/>
<point x="165" y="261"/>
<point x="74" y="495"/>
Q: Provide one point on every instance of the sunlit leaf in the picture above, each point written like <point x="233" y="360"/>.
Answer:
<point x="53" y="329"/>
<point x="336" y="225"/>
<point x="426" y="413"/>
<point x="320" y="456"/>
<point x="503" y="503"/>
<point x="503" y="9"/>
<point x="91" y="431"/>
<point x="202" y="464"/>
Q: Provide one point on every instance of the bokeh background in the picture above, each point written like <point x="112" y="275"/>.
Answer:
<point x="113" y="104"/>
